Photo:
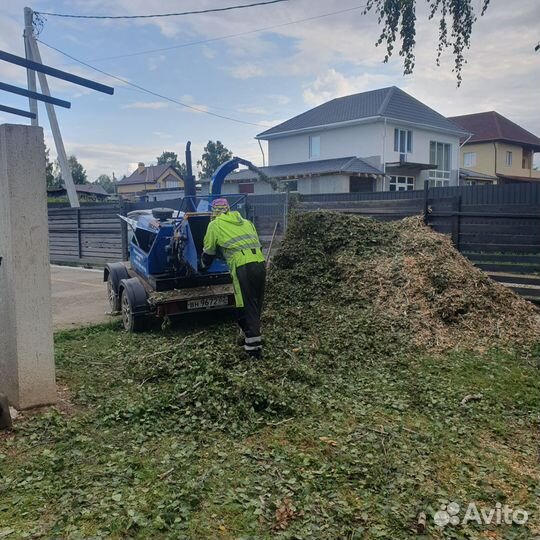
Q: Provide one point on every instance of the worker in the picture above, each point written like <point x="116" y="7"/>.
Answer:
<point x="237" y="241"/>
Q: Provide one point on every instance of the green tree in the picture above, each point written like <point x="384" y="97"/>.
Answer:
<point x="169" y="157"/>
<point x="105" y="181"/>
<point x="456" y="20"/>
<point x="78" y="172"/>
<point x="172" y="158"/>
<point x="214" y="155"/>
<point x="52" y="181"/>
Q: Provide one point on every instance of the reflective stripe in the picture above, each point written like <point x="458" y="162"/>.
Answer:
<point x="252" y="347"/>
<point x="251" y="340"/>
<point x="232" y="251"/>
<point x="238" y="238"/>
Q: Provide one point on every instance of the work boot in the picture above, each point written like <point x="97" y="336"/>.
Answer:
<point x="256" y="353"/>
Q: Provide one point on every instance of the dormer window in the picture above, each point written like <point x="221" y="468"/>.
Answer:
<point x="314" y="146"/>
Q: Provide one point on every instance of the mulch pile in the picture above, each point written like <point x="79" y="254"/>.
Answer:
<point x="338" y="277"/>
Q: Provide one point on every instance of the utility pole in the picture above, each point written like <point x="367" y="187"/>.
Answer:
<point x="32" y="53"/>
<point x="30" y="74"/>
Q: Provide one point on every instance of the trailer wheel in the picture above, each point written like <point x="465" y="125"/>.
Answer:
<point x="132" y="322"/>
<point x="114" y="300"/>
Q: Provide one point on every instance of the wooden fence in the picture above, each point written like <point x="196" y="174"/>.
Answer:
<point x="498" y="222"/>
<point x="89" y="235"/>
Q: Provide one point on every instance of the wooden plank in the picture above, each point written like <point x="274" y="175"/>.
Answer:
<point x="502" y="208"/>
<point x="504" y="257"/>
<point x="498" y="228"/>
<point x="501" y="248"/>
<point x="496" y="238"/>
<point x="517" y="269"/>
<point x="522" y="279"/>
<point x="529" y="292"/>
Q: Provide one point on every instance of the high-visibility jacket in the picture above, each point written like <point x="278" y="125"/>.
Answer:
<point x="238" y="242"/>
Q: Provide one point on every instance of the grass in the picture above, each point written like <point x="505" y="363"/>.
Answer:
<point x="171" y="434"/>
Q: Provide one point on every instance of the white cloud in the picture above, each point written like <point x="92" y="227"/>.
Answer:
<point x="246" y="71"/>
<point x="162" y="135"/>
<point x="154" y="105"/>
<point x="279" y="99"/>
<point x="252" y="110"/>
<point x="334" y="84"/>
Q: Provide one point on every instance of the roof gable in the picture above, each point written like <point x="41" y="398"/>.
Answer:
<point x="149" y="175"/>
<point x="390" y="102"/>
<point x="492" y="126"/>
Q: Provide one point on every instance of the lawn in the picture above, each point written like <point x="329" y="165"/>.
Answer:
<point x="173" y="434"/>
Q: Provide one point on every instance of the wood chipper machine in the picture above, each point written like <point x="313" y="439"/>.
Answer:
<point x="163" y="276"/>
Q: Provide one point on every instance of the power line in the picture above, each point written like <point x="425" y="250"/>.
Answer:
<point x="179" y="14"/>
<point x="151" y="92"/>
<point x="229" y="36"/>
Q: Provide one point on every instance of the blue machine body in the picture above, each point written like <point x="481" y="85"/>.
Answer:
<point x="149" y="251"/>
<point x="171" y="248"/>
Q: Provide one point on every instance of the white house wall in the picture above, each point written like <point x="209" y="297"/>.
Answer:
<point x="360" y="140"/>
<point x="374" y="140"/>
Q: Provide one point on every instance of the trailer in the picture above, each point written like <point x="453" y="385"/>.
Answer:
<point x="164" y="276"/>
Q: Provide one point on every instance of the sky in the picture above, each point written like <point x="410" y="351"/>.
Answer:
<point x="261" y="77"/>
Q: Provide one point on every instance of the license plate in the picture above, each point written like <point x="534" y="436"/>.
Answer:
<point x="203" y="303"/>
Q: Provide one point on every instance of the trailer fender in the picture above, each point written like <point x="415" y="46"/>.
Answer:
<point x="136" y="294"/>
<point x="117" y="271"/>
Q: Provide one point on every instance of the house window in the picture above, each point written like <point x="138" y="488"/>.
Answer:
<point x="526" y="159"/>
<point x="314" y="146"/>
<point x="402" y="141"/>
<point x="359" y="184"/>
<point x="469" y="159"/>
<point x="401" y="183"/>
<point x="508" y="159"/>
<point x="290" y="185"/>
<point x="439" y="154"/>
<point x="246" y="188"/>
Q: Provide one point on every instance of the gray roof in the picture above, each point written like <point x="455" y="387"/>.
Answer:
<point x="468" y="173"/>
<point x="88" y="189"/>
<point x="150" y="174"/>
<point x="391" y="102"/>
<point x="345" y="165"/>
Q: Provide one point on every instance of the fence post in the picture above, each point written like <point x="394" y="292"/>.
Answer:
<point x="79" y="236"/>
<point x="122" y="209"/>
<point x="286" y="211"/>
<point x="426" y="205"/>
<point x="456" y="220"/>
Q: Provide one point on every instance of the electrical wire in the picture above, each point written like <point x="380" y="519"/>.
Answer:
<point x="156" y="15"/>
<point x="228" y="36"/>
<point x="147" y="91"/>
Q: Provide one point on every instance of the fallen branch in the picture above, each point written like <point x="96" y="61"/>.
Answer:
<point x="165" y="474"/>
<point x="471" y="397"/>
<point x="421" y="523"/>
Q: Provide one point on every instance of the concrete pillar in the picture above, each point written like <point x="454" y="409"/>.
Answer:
<point x="26" y="338"/>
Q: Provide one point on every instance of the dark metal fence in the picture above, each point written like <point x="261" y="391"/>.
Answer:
<point x="481" y="219"/>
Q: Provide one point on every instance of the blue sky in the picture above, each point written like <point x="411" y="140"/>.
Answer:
<point x="261" y="78"/>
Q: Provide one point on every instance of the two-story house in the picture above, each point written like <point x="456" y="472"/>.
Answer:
<point x="381" y="140"/>
<point x="498" y="148"/>
<point x="149" y="182"/>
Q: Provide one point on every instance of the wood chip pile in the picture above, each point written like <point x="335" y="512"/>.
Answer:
<point x="399" y="280"/>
